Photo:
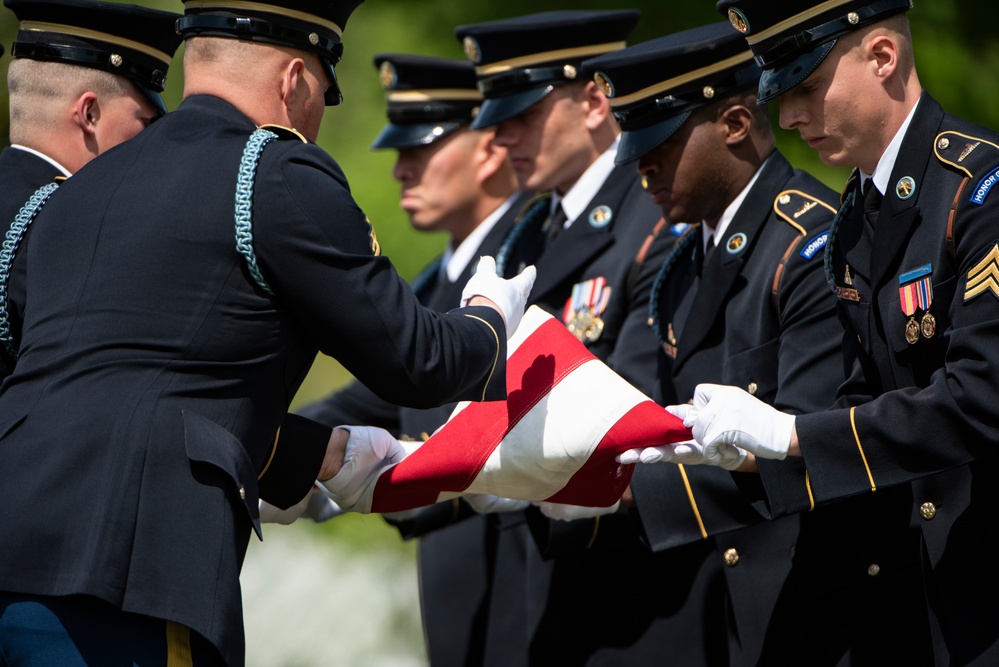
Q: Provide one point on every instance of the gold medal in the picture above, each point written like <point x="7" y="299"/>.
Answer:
<point x="912" y="331"/>
<point x="580" y="323"/>
<point x="928" y="325"/>
<point x="595" y="330"/>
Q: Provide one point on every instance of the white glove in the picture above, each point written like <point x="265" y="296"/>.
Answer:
<point x="688" y="452"/>
<point x="510" y="296"/>
<point x="369" y="451"/>
<point x="321" y="507"/>
<point x="723" y="417"/>
<point x="561" y="512"/>
<point x="274" y="514"/>
<point x="483" y="503"/>
<point x="316" y="505"/>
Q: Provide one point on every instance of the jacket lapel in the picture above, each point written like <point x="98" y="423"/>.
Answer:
<point x="901" y="216"/>
<point x="577" y="246"/>
<point x="719" y="275"/>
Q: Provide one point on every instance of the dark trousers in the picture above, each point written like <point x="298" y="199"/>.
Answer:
<point x="81" y="631"/>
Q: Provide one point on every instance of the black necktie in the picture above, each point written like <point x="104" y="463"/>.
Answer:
<point x="872" y="202"/>
<point x="709" y="249"/>
<point x="555" y="224"/>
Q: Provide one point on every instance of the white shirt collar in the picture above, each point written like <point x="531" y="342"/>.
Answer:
<point x="886" y="164"/>
<point x="729" y="214"/>
<point x="455" y="260"/>
<point x="65" y="172"/>
<point x="581" y="193"/>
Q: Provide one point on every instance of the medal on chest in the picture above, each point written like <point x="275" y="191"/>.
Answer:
<point x="915" y="294"/>
<point x="583" y="311"/>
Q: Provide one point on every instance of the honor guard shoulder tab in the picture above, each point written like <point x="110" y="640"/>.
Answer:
<point x="796" y="207"/>
<point x="285" y="133"/>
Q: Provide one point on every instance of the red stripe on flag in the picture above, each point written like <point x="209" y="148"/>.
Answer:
<point x="601" y="480"/>
<point x="453" y="456"/>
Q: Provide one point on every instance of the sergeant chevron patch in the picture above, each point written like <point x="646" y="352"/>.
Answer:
<point x="984" y="276"/>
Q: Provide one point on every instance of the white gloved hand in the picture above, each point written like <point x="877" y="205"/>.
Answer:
<point x="321" y="507"/>
<point x="274" y="514"/>
<point x="316" y="505"/>
<point x="688" y="452"/>
<point x="723" y="417"/>
<point x="561" y="512"/>
<point x="369" y="451"/>
<point x="483" y="503"/>
<point x="510" y="296"/>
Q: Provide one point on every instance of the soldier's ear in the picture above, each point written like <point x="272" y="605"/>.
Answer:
<point x="490" y="157"/>
<point x="86" y="113"/>
<point x="737" y="121"/>
<point x="291" y="80"/>
<point x="882" y="52"/>
<point x="596" y="105"/>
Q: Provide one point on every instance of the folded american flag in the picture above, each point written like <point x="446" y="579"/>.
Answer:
<point x="555" y="438"/>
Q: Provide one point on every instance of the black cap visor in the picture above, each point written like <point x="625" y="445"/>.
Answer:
<point x="778" y="80"/>
<point x="636" y="143"/>
<point x="333" y="95"/>
<point x="498" y="109"/>
<point x="415" y="135"/>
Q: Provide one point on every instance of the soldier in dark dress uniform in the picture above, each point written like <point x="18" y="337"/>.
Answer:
<point x="179" y="289"/>
<point x="86" y="76"/>
<point x="912" y="259"/>
<point x="584" y="235"/>
<point x="453" y="180"/>
<point x="742" y="299"/>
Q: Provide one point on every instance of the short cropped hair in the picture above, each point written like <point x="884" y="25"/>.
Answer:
<point x="37" y="89"/>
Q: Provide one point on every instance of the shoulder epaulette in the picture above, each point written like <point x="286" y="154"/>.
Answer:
<point x="284" y="133"/>
<point x="795" y="206"/>
<point x="969" y="155"/>
<point x="978" y="160"/>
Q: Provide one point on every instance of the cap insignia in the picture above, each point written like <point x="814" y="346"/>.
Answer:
<point x="472" y="49"/>
<point x="905" y="188"/>
<point x="313" y="38"/>
<point x="738" y="20"/>
<point x="604" y="84"/>
<point x="116" y="60"/>
<point x="387" y="75"/>
<point x="569" y="72"/>
<point x="709" y="92"/>
<point x="853" y="18"/>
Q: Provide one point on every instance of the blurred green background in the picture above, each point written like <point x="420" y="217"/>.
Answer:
<point x="957" y="57"/>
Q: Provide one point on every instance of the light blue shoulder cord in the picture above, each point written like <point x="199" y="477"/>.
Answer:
<point x="8" y="251"/>
<point x="827" y="257"/>
<point x="244" y="202"/>
<point x="681" y="245"/>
